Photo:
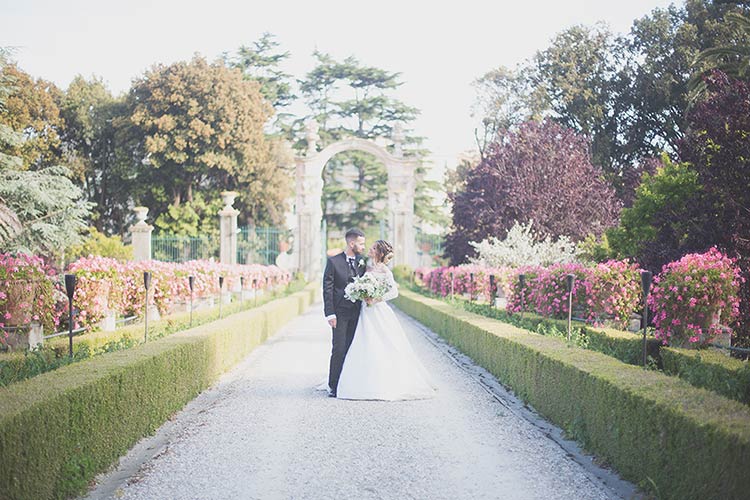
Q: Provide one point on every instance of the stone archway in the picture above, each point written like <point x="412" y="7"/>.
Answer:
<point x="308" y="244"/>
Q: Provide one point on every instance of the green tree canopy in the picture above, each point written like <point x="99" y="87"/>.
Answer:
<point x="41" y="210"/>
<point x="349" y="99"/>
<point x="93" y="139"/>
<point x="201" y="127"/>
<point x="31" y="109"/>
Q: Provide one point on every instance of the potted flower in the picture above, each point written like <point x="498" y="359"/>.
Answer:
<point x="27" y="294"/>
<point x="693" y="296"/>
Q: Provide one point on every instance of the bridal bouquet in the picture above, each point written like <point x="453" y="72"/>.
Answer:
<point x="366" y="287"/>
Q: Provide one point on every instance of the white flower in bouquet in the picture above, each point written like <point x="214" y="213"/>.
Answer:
<point x="366" y="287"/>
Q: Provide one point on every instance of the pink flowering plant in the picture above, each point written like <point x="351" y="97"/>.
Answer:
<point x="471" y="280"/>
<point x="693" y="297"/>
<point x="98" y="287"/>
<point x="547" y="292"/>
<point x="27" y="292"/>
<point x="613" y="292"/>
<point x="516" y="302"/>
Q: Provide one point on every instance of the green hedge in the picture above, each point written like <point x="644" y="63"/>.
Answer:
<point x="659" y="432"/>
<point x="58" y="430"/>
<point x="17" y="366"/>
<point x="706" y="368"/>
<point x="711" y="370"/>
<point x="622" y="345"/>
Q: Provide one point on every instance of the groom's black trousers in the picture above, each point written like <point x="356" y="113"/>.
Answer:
<point x="343" y="335"/>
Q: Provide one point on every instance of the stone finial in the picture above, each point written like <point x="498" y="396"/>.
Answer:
<point x="140" y="215"/>
<point x="398" y="138"/>
<point x="141" y="234"/>
<point x="228" y="198"/>
<point x="311" y="134"/>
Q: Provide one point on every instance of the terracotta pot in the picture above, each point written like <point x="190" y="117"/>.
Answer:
<point x="683" y="340"/>
<point x="19" y="304"/>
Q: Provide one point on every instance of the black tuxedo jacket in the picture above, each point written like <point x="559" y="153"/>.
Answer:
<point x="336" y="276"/>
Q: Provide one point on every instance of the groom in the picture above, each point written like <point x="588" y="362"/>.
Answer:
<point x="341" y="313"/>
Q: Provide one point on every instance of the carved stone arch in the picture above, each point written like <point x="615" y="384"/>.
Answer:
<point x="309" y="182"/>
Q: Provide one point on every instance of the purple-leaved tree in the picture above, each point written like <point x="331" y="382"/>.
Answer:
<point x="540" y="172"/>
<point x="717" y="145"/>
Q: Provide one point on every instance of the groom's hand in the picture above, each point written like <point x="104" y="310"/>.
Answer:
<point x="332" y="322"/>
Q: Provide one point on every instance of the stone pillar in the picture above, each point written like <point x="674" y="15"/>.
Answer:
<point x="141" y="234"/>
<point x="36" y="335"/>
<point x="109" y="321"/>
<point x="228" y="227"/>
<point x="401" y="208"/>
<point x="307" y="242"/>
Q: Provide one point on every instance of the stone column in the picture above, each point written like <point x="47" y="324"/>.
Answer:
<point x="307" y="242"/>
<point x="309" y="215"/>
<point x="228" y="227"/>
<point x="401" y="208"/>
<point x="141" y="234"/>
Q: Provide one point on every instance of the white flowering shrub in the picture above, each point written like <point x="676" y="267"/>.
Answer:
<point x="525" y="247"/>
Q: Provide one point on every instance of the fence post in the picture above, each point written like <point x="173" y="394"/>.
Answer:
<point x="646" y="278"/>
<point x="141" y="235"/>
<point x="569" y="281"/>
<point x="147" y="286"/>
<point x="70" y="290"/>
<point x="492" y="290"/>
<point x="228" y="229"/>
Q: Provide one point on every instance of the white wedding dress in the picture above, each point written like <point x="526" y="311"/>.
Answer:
<point x="381" y="363"/>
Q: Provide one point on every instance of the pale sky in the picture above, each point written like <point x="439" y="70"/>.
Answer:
<point x="438" y="49"/>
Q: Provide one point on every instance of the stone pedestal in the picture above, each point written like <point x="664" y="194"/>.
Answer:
<point x="109" y="321"/>
<point x="36" y="335"/>
<point x="141" y="233"/>
<point x="26" y="337"/>
<point x="228" y="228"/>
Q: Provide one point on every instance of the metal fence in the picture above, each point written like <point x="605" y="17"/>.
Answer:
<point x="261" y="245"/>
<point x="431" y="244"/>
<point x="183" y="248"/>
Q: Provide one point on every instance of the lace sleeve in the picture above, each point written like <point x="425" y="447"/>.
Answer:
<point x="393" y="292"/>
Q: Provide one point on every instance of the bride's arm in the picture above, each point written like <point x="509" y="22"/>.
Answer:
<point x="393" y="292"/>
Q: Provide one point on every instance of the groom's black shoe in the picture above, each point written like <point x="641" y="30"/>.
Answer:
<point x="331" y="394"/>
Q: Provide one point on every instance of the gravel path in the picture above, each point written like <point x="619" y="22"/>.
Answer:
<point x="263" y="432"/>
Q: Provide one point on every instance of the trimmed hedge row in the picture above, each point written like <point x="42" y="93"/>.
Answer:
<point x="711" y="370"/>
<point x="58" y="430"/>
<point x="622" y="345"/>
<point x="663" y="434"/>
<point x="706" y="368"/>
<point x="17" y="366"/>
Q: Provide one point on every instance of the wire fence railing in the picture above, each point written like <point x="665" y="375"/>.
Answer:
<point x="183" y="248"/>
<point x="261" y="245"/>
<point x="430" y="244"/>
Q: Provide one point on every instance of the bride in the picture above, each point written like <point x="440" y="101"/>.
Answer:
<point x="381" y="363"/>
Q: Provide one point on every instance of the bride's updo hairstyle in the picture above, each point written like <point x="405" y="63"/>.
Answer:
<point x="385" y="251"/>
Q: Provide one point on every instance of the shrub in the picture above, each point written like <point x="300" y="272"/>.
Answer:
<point x="613" y="291"/>
<point x="524" y="247"/>
<point x="547" y="290"/>
<point x="100" y="245"/>
<point x="693" y="296"/>
<point x="27" y="292"/>
<point x="60" y="429"/>
<point x="661" y="433"/>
